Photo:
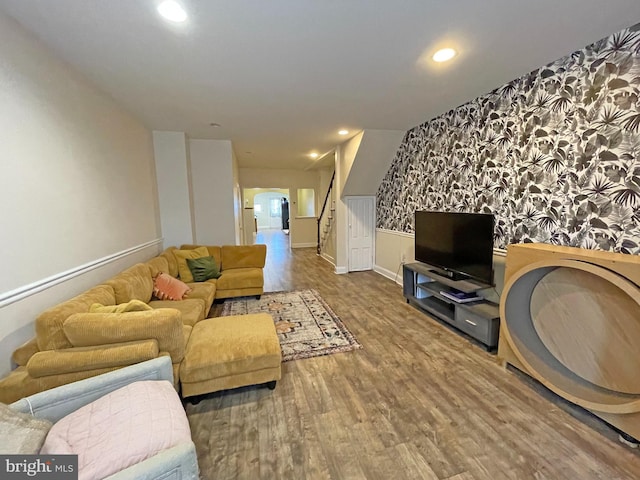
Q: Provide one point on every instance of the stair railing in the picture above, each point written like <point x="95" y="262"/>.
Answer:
<point x="324" y="207"/>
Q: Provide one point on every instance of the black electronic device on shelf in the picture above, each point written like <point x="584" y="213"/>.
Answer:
<point x="458" y="245"/>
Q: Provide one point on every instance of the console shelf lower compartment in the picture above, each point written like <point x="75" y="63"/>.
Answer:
<point x="436" y="307"/>
<point x="479" y="319"/>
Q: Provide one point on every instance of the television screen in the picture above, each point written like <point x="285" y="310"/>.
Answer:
<point x="461" y="244"/>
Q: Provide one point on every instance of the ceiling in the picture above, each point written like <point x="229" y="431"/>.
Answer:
<point x="282" y="76"/>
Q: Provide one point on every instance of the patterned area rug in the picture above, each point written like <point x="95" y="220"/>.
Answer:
<point x="305" y="324"/>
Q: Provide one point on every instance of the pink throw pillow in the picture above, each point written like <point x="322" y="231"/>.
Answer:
<point x="165" y="287"/>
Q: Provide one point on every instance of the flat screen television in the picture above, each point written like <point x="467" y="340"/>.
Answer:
<point x="460" y="245"/>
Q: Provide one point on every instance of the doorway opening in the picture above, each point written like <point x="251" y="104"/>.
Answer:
<point x="270" y="216"/>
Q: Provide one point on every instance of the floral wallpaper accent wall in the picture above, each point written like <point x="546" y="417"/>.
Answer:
<point x="554" y="154"/>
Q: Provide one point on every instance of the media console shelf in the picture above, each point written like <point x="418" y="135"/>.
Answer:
<point x="422" y="287"/>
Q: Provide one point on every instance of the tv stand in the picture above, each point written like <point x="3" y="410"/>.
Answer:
<point x="422" y="287"/>
<point x="450" y="275"/>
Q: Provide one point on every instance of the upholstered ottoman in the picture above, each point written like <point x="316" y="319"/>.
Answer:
<point x="231" y="352"/>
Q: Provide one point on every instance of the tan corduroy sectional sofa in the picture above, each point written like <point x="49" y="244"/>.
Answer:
<point x="72" y="344"/>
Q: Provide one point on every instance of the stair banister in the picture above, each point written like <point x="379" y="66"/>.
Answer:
<point x="324" y="206"/>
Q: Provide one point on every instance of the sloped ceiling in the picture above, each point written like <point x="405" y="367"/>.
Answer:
<point x="374" y="154"/>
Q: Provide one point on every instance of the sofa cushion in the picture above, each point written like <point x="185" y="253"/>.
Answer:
<point x="158" y="265"/>
<point x="243" y="256"/>
<point x="165" y="287"/>
<point x="191" y="309"/>
<point x="134" y="283"/>
<point x="203" y="268"/>
<point x="121" y="429"/>
<point x="49" y="324"/>
<point x="204" y="291"/>
<point x="171" y="261"/>
<point x="181" y="258"/>
<point x="132" y="306"/>
<point x="240" y="278"/>
<point x="214" y="251"/>
<point x="186" y="330"/>
<point x="21" y="433"/>
<point x="81" y="359"/>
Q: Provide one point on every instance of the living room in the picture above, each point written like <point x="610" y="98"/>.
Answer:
<point x="87" y="198"/>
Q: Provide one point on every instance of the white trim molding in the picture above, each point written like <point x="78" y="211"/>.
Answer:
<point x="342" y="270"/>
<point x="328" y="258"/>
<point x="395" y="232"/>
<point x="304" y="245"/>
<point x="394" y="277"/>
<point x="12" y="296"/>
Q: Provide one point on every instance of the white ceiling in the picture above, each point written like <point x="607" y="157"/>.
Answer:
<point x="282" y="76"/>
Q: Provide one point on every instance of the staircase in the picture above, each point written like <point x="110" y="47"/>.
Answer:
<point x="326" y="219"/>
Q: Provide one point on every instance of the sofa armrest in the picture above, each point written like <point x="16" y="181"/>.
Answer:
<point x="24" y="352"/>
<point x="180" y="461"/>
<point x="82" y="359"/>
<point x="163" y="325"/>
<point x="61" y="401"/>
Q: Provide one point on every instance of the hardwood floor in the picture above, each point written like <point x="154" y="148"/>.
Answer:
<point x="418" y="401"/>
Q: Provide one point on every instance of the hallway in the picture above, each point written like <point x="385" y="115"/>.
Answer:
<point x="279" y="259"/>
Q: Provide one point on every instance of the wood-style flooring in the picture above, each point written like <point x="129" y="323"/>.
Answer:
<point x="418" y="401"/>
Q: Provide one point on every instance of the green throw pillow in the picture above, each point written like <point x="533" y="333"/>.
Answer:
<point x="203" y="268"/>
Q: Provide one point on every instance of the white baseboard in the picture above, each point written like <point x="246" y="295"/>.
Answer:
<point x="12" y="296"/>
<point x="393" y="276"/>
<point x="328" y="258"/>
<point x="304" y="245"/>
<point x="342" y="270"/>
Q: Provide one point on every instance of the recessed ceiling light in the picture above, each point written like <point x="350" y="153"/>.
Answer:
<point x="172" y="11"/>
<point x="444" y="54"/>
<point x="343" y="132"/>
<point x="313" y="155"/>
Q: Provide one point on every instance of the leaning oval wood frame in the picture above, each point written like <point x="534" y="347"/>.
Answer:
<point x="545" y="367"/>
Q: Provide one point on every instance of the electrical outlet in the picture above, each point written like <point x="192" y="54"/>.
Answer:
<point x="402" y="258"/>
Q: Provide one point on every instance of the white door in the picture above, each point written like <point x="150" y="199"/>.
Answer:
<point x="361" y="224"/>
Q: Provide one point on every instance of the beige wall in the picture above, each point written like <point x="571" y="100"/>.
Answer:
<point x="307" y="202"/>
<point x="369" y="163"/>
<point x="347" y="156"/>
<point x="302" y="234"/>
<point x="212" y="182"/>
<point x="174" y="188"/>
<point x="305" y="232"/>
<point x="77" y="183"/>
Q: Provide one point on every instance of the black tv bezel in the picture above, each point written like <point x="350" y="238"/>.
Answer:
<point x="445" y="268"/>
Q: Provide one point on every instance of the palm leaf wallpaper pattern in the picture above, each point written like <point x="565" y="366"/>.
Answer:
<point x="554" y="155"/>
